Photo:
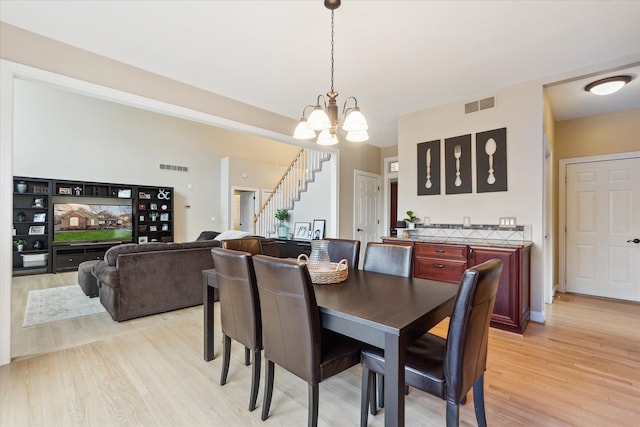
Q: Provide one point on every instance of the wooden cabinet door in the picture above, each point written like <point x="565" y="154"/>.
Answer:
<point x="507" y="310"/>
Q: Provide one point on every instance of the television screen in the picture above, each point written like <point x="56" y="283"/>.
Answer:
<point x="92" y="222"/>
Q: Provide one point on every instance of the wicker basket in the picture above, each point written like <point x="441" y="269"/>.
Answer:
<point x="338" y="273"/>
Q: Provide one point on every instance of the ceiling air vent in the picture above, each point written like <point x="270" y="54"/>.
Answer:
<point x="483" y="104"/>
<point x="174" y="168"/>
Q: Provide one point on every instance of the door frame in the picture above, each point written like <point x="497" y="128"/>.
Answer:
<point x="562" y="205"/>
<point x="256" y="202"/>
<point x="388" y="178"/>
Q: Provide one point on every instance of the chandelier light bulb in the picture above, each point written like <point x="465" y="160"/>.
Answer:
<point x="303" y="131"/>
<point x="355" y="121"/>
<point x="318" y="120"/>
<point x="327" y="138"/>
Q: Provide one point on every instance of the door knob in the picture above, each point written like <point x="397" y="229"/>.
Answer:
<point x="359" y="229"/>
<point x="636" y="240"/>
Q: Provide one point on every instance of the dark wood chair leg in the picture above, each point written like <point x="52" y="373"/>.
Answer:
<point x="380" y="390"/>
<point x="453" y="415"/>
<point x="268" y="388"/>
<point x="478" y="401"/>
<point x="373" y="401"/>
<point x="226" y="355"/>
<point x="247" y="356"/>
<point x="365" y="396"/>
<point x="313" y="405"/>
<point x="255" y="380"/>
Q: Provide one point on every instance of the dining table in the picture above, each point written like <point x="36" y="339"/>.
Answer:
<point x="382" y="310"/>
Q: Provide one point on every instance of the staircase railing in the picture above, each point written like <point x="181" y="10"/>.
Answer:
<point x="287" y="191"/>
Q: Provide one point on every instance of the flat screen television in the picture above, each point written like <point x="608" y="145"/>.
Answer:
<point x="92" y="222"/>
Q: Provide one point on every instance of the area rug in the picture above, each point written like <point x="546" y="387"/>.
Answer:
<point x="53" y="304"/>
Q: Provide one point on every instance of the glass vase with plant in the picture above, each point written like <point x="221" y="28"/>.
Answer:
<point x="283" y="230"/>
<point x="19" y="244"/>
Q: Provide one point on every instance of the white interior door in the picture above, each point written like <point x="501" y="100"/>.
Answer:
<point x="366" y="209"/>
<point x="602" y="221"/>
<point x="247" y="210"/>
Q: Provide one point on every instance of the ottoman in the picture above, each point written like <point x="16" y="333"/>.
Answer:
<point x="86" y="279"/>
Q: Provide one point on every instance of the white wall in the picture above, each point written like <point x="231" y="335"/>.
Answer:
<point x="520" y="110"/>
<point x="59" y="134"/>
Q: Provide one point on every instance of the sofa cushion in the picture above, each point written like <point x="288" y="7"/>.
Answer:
<point x="232" y="234"/>
<point x="207" y="235"/>
<point x="111" y="256"/>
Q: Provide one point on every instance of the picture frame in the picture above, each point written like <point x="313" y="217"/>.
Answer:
<point x="40" y="217"/>
<point x="301" y="230"/>
<point x="124" y="193"/>
<point x="457" y="164"/>
<point x="141" y="207"/>
<point x="318" y="229"/>
<point x="428" y="159"/>
<point x="141" y="195"/>
<point x="153" y="228"/>
<point x="143" y="239"/>
<point x="165" y="227"/>
<point x="153" y="206"/>
<point x="36" y="230"/>
<point x="65" y="191"/>
<point x="164" y="217"/>
<point x="491" y="160"/>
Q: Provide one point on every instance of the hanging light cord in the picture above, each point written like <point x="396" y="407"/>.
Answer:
<point x="332" y="50"/>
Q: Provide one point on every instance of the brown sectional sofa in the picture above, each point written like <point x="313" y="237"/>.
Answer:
<point x="138" y="280"/>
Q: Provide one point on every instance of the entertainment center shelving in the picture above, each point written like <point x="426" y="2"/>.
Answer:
<point x="34" y="219"/>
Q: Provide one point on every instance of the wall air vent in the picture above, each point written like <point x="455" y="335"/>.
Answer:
<point x="174" y="168"/>
<point x="483" y="104"/>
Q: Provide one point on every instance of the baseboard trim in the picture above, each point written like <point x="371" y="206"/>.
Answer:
<point x="537" y="316"/>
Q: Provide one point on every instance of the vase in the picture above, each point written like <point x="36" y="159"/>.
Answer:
<point x="20" y="248"/>
<point x="21" y="217"/>
<point x="22" y="187"/>
<point x="319" y="257"/>
<point x="411" y="225"/>
<point x="282" y="230"/>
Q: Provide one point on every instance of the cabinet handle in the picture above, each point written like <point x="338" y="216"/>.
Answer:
<point x="440" y="251"/>
<point x="438" y="265"/>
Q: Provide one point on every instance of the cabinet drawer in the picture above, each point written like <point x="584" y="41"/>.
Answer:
<point x="69" y="260"/>
<point x="440" y="269"/>
<point x="455" y="252"/>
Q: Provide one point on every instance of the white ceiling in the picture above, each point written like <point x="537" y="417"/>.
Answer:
<point x="395" y="57"/>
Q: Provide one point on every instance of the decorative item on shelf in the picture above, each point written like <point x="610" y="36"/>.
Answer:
<point x="165" y="227"/>
<point x="64" y="190"/>
<point x="77" y="191"/>
<point x="143" y="239"/>
<point x="164" y="217"/>
<point x="40" y="217"/>
<point x="142" y="207"/>
<point x="21" y="217"/>
<point x="36" y="229"/>
<point x="411" y="219"/>
<point x="164" y="207"/>
<point x="124" y="193"/>
<point x="318" y="229"/>
<point x="22" y="187"/>
<point x="164" y="194"/>
<point x="153" y="215"/>
<point x="301" y="230"/>
<point x="19" y="244"/>
<point x="325" y="118"/>
<point x="38" y="202"/>
<point x="38" y="244"/>
<point x="283" y="230"/>
<point x="40" y="189"/>
<point x="153" y="206"/>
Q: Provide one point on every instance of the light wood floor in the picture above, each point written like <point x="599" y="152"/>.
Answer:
<point x="582" y="368"/>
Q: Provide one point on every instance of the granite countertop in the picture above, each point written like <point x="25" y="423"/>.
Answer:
<point x="463" y="241"/>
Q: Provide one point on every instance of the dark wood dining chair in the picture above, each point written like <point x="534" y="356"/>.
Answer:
<point x="244" y="244"/>
<point x="448" y="368"/>
<point x="389" y="259"/>
<point x="292" y="335"/>
<point x="240" y="317"/>
<point x="340" y="249"/>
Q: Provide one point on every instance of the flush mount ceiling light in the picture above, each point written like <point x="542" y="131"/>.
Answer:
<point x="325" y="118"/>
<point x="607" y="86"/>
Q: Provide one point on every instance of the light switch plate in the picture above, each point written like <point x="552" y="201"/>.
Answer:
<point x="507" y="221"/>
<point x="466" y="221"/>
<point x="427" y="220"/>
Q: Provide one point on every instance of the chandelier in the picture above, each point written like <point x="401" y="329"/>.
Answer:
<point x="324" y="117"/>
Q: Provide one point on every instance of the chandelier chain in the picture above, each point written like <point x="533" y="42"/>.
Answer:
<point x="332" y="44"/>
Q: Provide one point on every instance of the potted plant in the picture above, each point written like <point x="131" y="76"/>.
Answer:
<point x="20" y="244"/>
<point x="411" y="219"/>
<point x="283" y="230"/>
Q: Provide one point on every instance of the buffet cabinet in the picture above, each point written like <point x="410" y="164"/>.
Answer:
<point x="448" y="262"/>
